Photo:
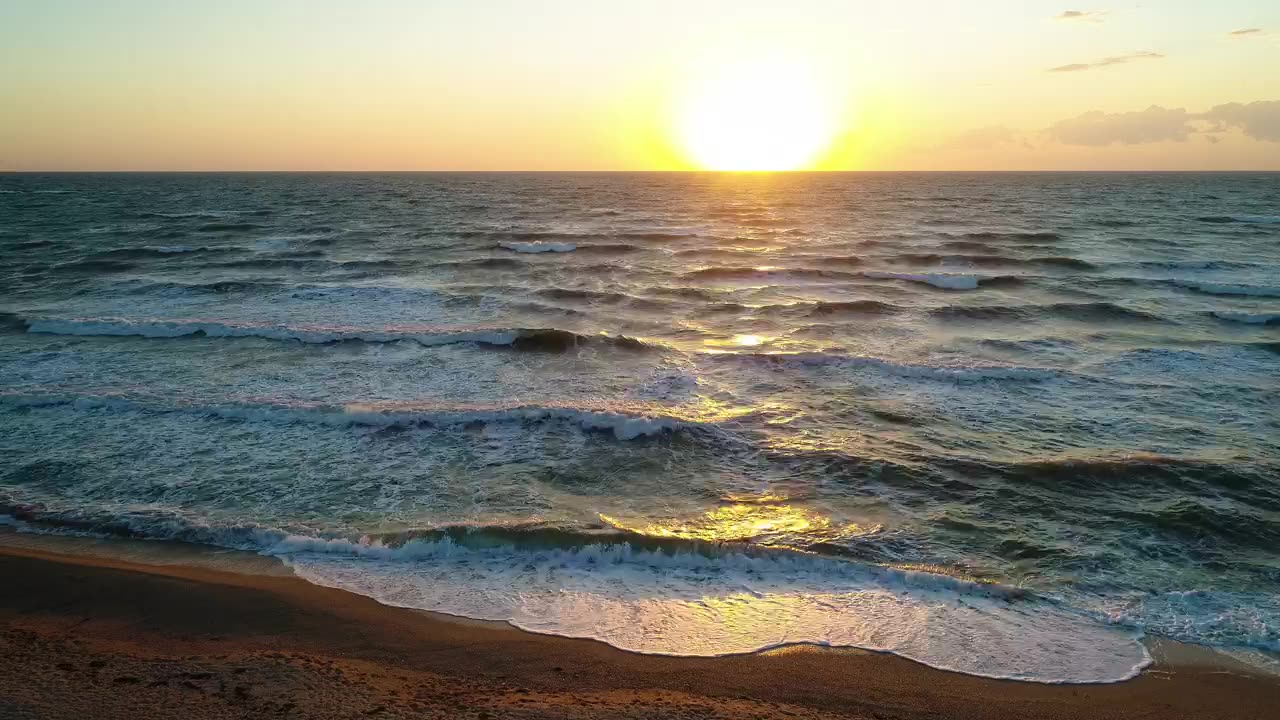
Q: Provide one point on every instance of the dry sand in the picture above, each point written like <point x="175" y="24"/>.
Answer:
<point x="90" y="636"/>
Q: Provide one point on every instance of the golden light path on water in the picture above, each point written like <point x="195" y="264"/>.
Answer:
<point x="763" y="523"/>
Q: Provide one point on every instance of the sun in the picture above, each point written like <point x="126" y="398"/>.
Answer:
<point x="758" y="114"/>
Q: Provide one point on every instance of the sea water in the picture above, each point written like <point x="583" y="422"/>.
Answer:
<point x="1002" y="424"/>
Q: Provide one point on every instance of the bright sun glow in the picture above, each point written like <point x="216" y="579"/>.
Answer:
<point x="764" y="114"/>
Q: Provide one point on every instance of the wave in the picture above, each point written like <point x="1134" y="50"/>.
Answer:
<point x="1098" y="311"/>
<point x="11" y="322"/>
<point x="981" y="312"/>
<point x="850" y="307"/>
<point x="1111" y="471"/>
<point x="498" y="263"/>
<point x="948" y="373"/>
<point x="817" y="308"/>
<point x="971" y="246"/>
<point x="601" y="297"/>
<point x="32" y="244"/>
<point x="538" y="247"/>
<point x="608" y="249"/>
<point x="1043" y="236"/>
<point x="946" y="281"/>
<point x="684" y="293"/>
<point x="691" y="599"/>
<point x="312" y="262"/>
<point x="638" y="234"/>
<point x="1193" y="265"/>
<point x="1229" y="289"/>
<point x="229" y="227"/>
<point x="159" y="251"/>
<point x="1092" y="312"/>
<point x="220" y="215"/>
<point x="1247" y="219"/>
<point x="93" y="266"/>
<point x="624" y="421"/>
<point x="814" y="309"/>
<point x="1247" y="318"/>
<point x="427" y="335"/>
<point x="758" y="273"/>
<point x="992" y="260"/>
<point x="1213" y="617"/>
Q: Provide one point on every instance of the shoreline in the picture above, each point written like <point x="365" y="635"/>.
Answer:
<point x="87" y="629"/>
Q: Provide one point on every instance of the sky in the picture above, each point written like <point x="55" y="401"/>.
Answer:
<point x="625" y="85"/>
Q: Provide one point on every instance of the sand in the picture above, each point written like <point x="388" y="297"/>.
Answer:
<point x="97" y="634"/>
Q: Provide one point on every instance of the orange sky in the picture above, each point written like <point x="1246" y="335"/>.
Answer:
<point x="571" y="84"/>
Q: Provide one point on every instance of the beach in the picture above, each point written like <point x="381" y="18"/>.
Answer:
<point x="91" y="631"/>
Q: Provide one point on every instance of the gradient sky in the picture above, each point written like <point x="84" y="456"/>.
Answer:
<point x="592" y="84"/>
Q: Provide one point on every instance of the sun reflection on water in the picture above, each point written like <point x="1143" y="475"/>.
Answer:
<point x="759" y="520"/>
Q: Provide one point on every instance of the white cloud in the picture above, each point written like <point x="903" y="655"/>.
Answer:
<point x="1259" y="120"/>
<point x="1155" y="124"/>
<point x="1093" y="16"/>
<point x="1108" y="61"/>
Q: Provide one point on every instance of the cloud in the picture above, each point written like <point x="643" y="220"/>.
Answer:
<point x="1081" y="16"/>
<point x="1259" y="120"/>
<point x="1155" y="124"/>
<point x="1108" y="61"/>
<point x="1247" y="32"/>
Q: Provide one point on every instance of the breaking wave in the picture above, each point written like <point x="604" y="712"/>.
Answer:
<point x="618" y="591"/>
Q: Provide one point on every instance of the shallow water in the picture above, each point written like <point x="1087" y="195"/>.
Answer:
<point x="1003" y="424"/>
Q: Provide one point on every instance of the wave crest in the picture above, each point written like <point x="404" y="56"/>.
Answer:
<point x="625" y="421"/>
<point x="427" y="335"/>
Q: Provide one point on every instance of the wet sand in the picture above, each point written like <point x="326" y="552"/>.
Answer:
<point x="91" y="635"/>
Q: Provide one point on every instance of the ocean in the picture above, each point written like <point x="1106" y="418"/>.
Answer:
<point x="1003" y="424"/>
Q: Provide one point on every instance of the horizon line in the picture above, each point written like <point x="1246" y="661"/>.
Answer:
<point x="624" y="172"/>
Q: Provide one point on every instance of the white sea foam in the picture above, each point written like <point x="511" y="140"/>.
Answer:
<point x="1223" y="619"/>
<point x="1248" y="318"/>
<point x="947" y="281"/>
<point x="688" y="603"/>
<point x="692" y="604"/>
<point x="539" y="247"/>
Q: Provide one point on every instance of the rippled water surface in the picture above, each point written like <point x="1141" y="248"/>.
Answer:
<point x="999" y="423"/>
